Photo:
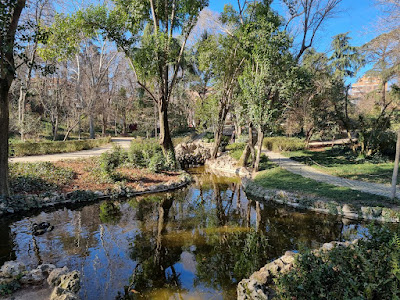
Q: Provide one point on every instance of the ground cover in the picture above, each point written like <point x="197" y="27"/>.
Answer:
<point x="342" y="162"/>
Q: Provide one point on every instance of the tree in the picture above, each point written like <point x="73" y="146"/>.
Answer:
<point x="10" y="12"/>
<point x="308" y="16"/>
<point x="346" y="60"/>
<point x="267" y="72"/>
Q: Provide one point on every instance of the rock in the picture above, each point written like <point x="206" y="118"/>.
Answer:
<point x="70" y="282"/>
<point x="46" y="268"/>
<point x="61" y="294"/>
<point x="54" y="276"/>
<point x="12" y="269"/>
<point x="327" y="246"/>
<point x="35" y="276"/>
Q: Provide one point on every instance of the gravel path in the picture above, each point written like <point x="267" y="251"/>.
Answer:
<point x="121" y="141"/>
<point x="309" y="172"/>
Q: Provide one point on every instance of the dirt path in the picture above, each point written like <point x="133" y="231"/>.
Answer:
<point x="121" y="141"/>
<point x="309" y="172"/>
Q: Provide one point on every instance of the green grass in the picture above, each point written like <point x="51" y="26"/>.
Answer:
<point x="236" y="151"/>
<point x="282" y="143"/>
<point x="278" y="178"/>
<point x="343" y="163"/>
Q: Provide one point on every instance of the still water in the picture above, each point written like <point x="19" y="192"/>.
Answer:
<point x="196" y="243"/>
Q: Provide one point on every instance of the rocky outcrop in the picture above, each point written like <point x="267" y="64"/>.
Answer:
<point x="20" y="203"/>
<point x="193" y="154"/>
<point x="296" y="200"/>
<point x="260" y="284"/>
<point x="226" y="165"/>
<point x="65" y="284"/>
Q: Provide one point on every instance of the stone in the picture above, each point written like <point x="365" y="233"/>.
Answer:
<point x="70" y="282"/>
<point x="54" y="276"/>
<point x="46" y="268"/>
<point x="327" y="246"/>
<point x="35" y="276"/>
<point x="12" y="269"/>
<point x="61" y="294"/>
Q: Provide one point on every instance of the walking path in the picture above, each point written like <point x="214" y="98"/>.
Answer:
<point x="309" y="172"/>
<point x="124" y="142"/>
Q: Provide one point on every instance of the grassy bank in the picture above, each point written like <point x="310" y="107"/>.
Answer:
<point x="40" y="148"/>
<point x="343" y="163"/>
<point x="278" y="178"/>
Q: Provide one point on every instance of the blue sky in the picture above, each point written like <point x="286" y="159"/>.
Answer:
<point x="358" y="17"/>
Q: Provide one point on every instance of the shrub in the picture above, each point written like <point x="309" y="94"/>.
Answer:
<point x="157" y="163"/>
<point x="142" y="151"/>
<point x="370" y="270"/>
<point x="40" y="148"/>
<point x="278" y="144"/>
<point x="111" y="160"/>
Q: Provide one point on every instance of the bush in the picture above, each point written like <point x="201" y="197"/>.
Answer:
<point x="40" y="148"/>
<point x="111" y="160"/>
<point x="278" y="144"/>
<point x="370" y="270"/>
<point x="148" y="154"/>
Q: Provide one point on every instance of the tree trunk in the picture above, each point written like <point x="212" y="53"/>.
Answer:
<point x="165" y="136"/>
<point x="104" y="125"/>
<point x="396" y="167"/>
<point x="248" y="150"/>
<point x="91" y="126"/>
<point x="223" y="111"/>
<point x="260" y="138"/>
<point x="21" y="112"/>
<point x="4" y="121"/>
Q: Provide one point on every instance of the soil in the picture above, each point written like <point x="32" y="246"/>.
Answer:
<point x="87" y="179"/>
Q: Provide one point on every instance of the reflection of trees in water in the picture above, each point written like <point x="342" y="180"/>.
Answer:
<point x="155" y="261"/>
<point x="6" y="243"/>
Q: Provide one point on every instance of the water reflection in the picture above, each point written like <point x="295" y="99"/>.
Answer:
<point x="195" y="243"/>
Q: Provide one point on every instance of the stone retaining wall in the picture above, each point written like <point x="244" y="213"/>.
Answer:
<point x="20" y="203"/>
<point x="260" y="284"/>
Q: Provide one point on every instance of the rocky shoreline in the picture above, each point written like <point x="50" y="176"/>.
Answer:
<point x="59" y="283"/>
<point x="22" y="203"/>
<point x="260" y="284"/>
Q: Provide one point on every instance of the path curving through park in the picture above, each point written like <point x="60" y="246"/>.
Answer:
<point x="124" y="142"/>
<point x="310" y="172"/>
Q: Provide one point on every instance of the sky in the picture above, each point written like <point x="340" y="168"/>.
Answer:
<point x="358" y="17"/>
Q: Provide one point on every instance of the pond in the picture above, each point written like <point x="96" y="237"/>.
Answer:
<point x="195" y="243"/>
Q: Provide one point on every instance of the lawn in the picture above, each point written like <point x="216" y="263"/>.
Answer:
<point x="278" y="178"/>
<point x="343" y="163"/>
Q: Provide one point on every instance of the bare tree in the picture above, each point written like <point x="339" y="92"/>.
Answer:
<point x="307" y="17"/>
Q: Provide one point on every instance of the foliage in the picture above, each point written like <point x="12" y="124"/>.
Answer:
<point x="283" y="144"/>
<point x="9" y="288"/>
<point x="38" y="177"/>
<point x="111" y="160"/>
<point x="148" y="154"/>
<point x="370" y="270"/>
<point x="40" y="148"/>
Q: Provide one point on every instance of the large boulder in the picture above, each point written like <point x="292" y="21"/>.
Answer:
<point x="12" y="269"/>
<point x="192" y="154"/>
<point x="54" y="278"/>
